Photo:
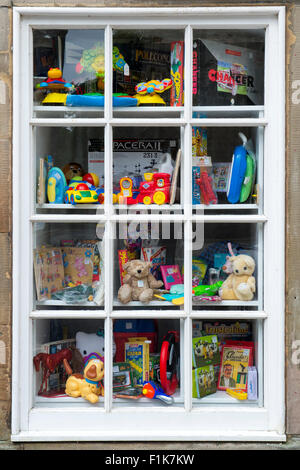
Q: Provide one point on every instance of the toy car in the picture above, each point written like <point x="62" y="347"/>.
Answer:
<point x="80" y="193"/>
<point x="156" y="189"/>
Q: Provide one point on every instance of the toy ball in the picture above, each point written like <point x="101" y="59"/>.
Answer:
<point x="92" y="178"/>
<point x="72" y="170"/>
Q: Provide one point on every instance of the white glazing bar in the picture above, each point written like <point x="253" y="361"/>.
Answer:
<point x="228" y="314"/>
<point x="67" y="314"/>
<point x="230" y="218"/>
<point x="142" y="122"/>
<point x="67" y="122"/>
<point x="188" y="75"/>
<point x="108" y="87"/>
<point x="260" y="361"/>
<point x="187" y="364"/>
<point x="109" y="236"/>
<point x="108" y="335"/>
<point x="229" y="122"/>
<point x="108" y="171"/>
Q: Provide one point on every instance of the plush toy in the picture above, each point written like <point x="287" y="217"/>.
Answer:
<point x="240" y="284"/>
<point x="72" y="170"/>
<point x="138" y="283"/>
<point x="88" y="343"/>
<point x="89" y="386"/>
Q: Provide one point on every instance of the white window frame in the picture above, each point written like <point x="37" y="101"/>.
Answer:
<point x="210" y="422"/>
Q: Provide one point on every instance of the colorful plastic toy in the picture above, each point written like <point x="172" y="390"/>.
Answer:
<point x="155" y="189"/>
<point x="205" y="183"/>
<point x="151" y="390"/>
<point x="169" y="362"/>
<point x="147" y="92"/>
<point x="80" y="193"/>
<point x="238" y="394"/>
<point x="57" y="87"/>
<point x="207" y="290"/>
<point x="56" y="185"/>
<point x="91" y="178"/>
<point x="237" y="172"/>
<point x="90" y="385"/>
<point x="248" y="182"/>
<point x="97" y="99"/>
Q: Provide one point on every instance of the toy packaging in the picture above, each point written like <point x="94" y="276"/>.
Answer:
<point x="229" y="330"/>
<point x="197" y="328"/>
<point x="205" y="351"/>
<point x="124" y="256"/>
<point x="203" y="381"/>
<point x="122" y="376"/>
<point x="171" y="275"/>
<point x="156" y="255"/>
<point x="235" y="361"/>
<point x="177" y="75"/>
<point x="78" y="264"/>
<point x="252" y="383"/>
<point x="154" y="366"/>
<point x="199" y="268"/>
<point x="124" y="330"/>
<point x="221" y="172"/>
<point x="203" y="189"/>
<point x="199" y="141"/>
<point x="228" y="74"/>
<point x="137" y="355"/>
<point x="49" y="271"/>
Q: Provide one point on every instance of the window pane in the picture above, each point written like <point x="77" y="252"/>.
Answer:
<point x="68" y="68"/>
<point x="228" y="67"/>
<point x="68" y="266"/>
<point x="147" y="362"/>
<point x="149" y="67"/>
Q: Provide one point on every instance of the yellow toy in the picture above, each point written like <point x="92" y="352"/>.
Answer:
<point x="238" y="394"/>
<point x="89" y="386"/>
<point x="147" y="91"/>
<point x="240" y="284"/>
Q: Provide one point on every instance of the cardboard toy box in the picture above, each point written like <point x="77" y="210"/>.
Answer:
<point x="226" y="74"/>
<point x="203" y="381"/>
<point x="205" y="351"/>
<point x="137" y="355"/>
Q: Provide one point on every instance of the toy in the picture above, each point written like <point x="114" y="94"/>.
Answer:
<point x="177" y="73"/>
<point x="203" y="381"/>
<point x="205" y="351"/>
<point x="49" y="363"/>
<point x="138" y="282"/>
<point x="207" y="290"/>
<point x="151" y="390"/>
<point x="205" y="183"/>
<point x="91" y="343"/>
<point x="137" y="355"/>
<point x="97" y="99"/>
<point x="91" y="178"/>
<point x="147" y="91"/>
<point x="240" y="284"/>
<point x="55" y="83"/>
<point x="155" y="189"/>
<point x="89" y="386"/>
<point x="80" y="193"/>
<point x="166" y="164"/>
<point x="56" y="185"/>
<point x="235" y="361"/>
<point x="238" y="394"/>
<point x="237" y="171"/>
<point x="171" y="275"/>
<point x="169" y="362"/>
<point x="248" y="182"/>
<point x="72" y="170"/>
<point x="125" y="196"/>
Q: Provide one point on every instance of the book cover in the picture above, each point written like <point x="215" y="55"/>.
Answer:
<point x="203" y="381"/>
<point x="205" y="351"/>
<point x="137" y="355"/>
<point x="171" y="275"/>
<point x="235" y="361"/>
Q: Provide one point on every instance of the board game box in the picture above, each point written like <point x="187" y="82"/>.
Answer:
<point x="205" y="351"/>
<point x="203" y="381"/>
<point x="235" y="361"/>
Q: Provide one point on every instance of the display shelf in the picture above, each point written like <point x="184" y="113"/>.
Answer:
<point x="154" y="303"/>
<point x="48" y="206"/>
<point x="68" y="314"/>
<point x="228" y="314"/>
<point x="226" y="303"/>
<point x="221" y="398"/>
<point x="61" y="303"/>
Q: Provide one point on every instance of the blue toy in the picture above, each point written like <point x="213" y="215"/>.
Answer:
<point x="238" y="170"/>
<point x="151" y="390"/>
<point x="96" y="99"/>
<point x="56" y="185"/>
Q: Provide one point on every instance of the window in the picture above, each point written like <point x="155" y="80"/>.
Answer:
<point x="124" y="131"/>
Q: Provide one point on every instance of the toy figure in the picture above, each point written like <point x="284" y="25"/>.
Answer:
<point x="138" y="283"/>
<point x="89" y="386"/>
<point x="57" y="87"/>
<point x="49" y="364"/>
<point x="147" y="91"/>
<point x="72" y="170"/>
<point x="240" y="284"/>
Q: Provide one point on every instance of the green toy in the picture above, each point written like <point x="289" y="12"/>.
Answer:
<point x="208" y="290"/>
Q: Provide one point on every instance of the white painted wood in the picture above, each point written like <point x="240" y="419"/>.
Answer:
<point x="208" y="419"/>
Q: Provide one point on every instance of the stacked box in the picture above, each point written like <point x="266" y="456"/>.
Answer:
<point x="137" y="355"/>
<point x="203" y="381"/>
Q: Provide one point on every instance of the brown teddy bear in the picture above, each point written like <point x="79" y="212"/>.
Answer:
<point x="240" y="285"/>
<point x="138" y="283"/>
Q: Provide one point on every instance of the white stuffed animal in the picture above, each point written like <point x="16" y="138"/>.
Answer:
<point x="88" y="343"/>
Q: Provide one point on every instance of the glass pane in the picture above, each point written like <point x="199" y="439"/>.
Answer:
<point x="148" y="68"/>
<point x="148" y="265"/>
<point x="62" y="349"/>
<point x="68" y="266"/>
<point x="147" y="363"/>
<point x="68" y="69"/>
<point x="149" y="163"/>
<point x="227" y="266"/>
<point x="228" y="67"/>
<point x="227" y="362"/>
<point x="227" y="168"/>
<point x="69" y="170"/>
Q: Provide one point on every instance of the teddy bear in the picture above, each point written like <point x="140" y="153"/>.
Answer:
<point x="240" y="284"/>
<point x="138" y="282"/>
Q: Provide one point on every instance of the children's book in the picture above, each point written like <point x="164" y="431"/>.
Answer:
<point x="205" y="351"/>
<point x="171" y="275"/>
<point x="49" y="271"/>
<point x="203" y="381"/>
<point x="137" y="355"/>
<point x="235" y="361"/>
<point x="157" y="255"/>
<point x="122" y="376"/>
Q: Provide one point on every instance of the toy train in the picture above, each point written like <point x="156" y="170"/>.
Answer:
<point x="154" y="190"/>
